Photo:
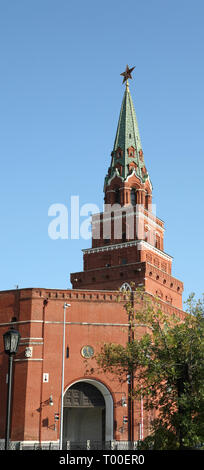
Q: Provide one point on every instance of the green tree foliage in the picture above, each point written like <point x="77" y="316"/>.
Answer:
<point x="168" y="365"/>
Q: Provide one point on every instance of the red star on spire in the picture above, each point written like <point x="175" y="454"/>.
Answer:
<point x="127" y="73"/>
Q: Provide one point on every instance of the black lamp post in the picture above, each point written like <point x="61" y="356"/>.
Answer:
<point x="11" y="342"/>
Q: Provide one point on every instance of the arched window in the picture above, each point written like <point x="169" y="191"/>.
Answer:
<point x="133" y="198"/>
<point x="125" y="286"/>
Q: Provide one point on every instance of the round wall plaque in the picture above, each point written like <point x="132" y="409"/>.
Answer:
<point x="87" y="351"/>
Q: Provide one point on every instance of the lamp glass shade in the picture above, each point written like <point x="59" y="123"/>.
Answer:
<point x="11" y="341"/>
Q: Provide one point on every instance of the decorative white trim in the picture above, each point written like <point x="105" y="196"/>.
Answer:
<point x="22" y="322"/>
<point x="31" y="339"/>
<point x="137" y="176"/>
<point x="125" y="287"/>
<point x="87" y="323"/>
<point x="126" y="179"/>
<point x="115" y="174"/>
<point x="118" y="246"/>
<point x="131" y="174"/>
<point x="128" y="212"/>
<point x="28" y="359"/>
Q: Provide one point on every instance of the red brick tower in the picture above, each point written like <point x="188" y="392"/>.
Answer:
<point x="127" y="238"/>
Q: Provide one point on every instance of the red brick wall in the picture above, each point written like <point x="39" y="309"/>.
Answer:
<point x="41" y="327"/>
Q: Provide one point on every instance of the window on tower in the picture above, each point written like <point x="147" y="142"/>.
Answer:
<point x="119" y="153"/>
<point x="132" y="166"/>
<point x="117" y="196"/>
<point x="146" y="200"/>
<point x="157" y="241"/>
<point x="131" y="152"/>
<point x="133" y="197"/>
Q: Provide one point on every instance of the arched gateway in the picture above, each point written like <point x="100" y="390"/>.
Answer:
<point x="88" y="412"/>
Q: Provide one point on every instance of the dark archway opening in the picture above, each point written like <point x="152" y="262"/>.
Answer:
<point x="84" y="413"/>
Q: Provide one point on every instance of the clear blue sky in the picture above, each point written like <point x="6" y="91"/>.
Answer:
<point x="60" y="96"/>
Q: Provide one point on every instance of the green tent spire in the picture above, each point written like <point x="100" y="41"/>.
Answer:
<point x="127" y="154"/>
<point x="127" y="134"/>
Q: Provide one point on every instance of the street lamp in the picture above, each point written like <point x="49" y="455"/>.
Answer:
<point x="11" y="342"/>
<point x="62" y="383"/>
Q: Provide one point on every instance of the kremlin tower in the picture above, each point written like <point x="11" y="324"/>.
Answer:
<point x="128" y="238"/>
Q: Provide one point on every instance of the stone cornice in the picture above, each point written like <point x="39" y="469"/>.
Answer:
<point x="140" y="243"/>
